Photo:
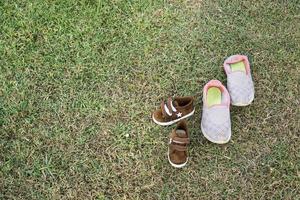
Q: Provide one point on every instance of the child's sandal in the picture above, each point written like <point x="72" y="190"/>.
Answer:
<point x="178" y="145"/>
<point x="173" y="111"/>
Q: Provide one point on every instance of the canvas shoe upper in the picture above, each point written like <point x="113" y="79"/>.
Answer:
<point x="239" y="80"/>
<point x="215" y="122"/>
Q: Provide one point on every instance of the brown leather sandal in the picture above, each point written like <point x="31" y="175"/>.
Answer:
<point x="179" y="140"/>
<point x="173" y="111"/>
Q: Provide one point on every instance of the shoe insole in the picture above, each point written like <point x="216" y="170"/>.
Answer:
<point x="239" y="66"/>
<point x="180" y="132"/>
<point x="214" y="96"/>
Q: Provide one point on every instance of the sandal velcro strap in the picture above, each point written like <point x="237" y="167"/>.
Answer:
<point x="162" y="107"/>
<point x="166" y="109"/>
<point x="169" y="111"/>
<point x="170" y="105"/>
<point x="180" y="140"/>
<point x="173" y="109"/>
<point x="179" y="147"/>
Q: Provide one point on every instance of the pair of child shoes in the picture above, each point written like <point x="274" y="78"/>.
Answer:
<point x="215" y="122"/>
<point x="170" y="112"/>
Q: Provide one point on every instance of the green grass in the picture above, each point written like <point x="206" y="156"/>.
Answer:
<point x="79" y="80"/>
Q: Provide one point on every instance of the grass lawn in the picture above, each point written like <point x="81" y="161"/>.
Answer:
<point x="79" y="80"/>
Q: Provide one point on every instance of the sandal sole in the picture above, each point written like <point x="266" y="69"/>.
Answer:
<point x="173" y="121"/>
<point x="177" y="165"/>
<point x="214" y="141"/>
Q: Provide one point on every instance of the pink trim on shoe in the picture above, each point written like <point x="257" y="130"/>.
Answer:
<point x="218" y="84"/>
<point x="235" y="59"/>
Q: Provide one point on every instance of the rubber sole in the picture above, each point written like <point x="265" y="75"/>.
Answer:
<point x="214" y="141"/>
<point x="242" y="104"/>
<point x="173" y="121"/>
<point x="177" y="165"/>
